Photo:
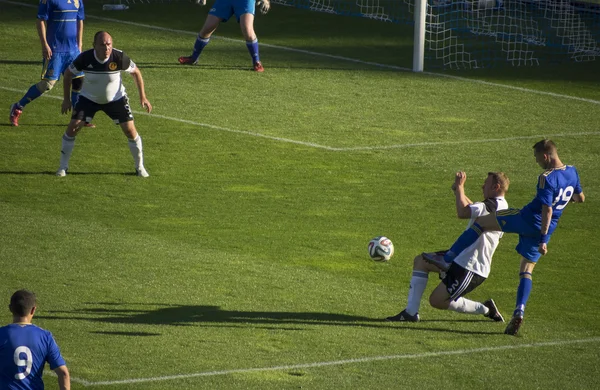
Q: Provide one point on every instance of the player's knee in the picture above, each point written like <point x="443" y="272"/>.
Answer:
<point x="45" y="85"/>
<point x="437" y="303"/>
<point x="76" y="84"/>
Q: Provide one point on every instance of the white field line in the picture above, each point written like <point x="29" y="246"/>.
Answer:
<point x="213" y="127"/>
<point x="336" y="362"/>
<point x="331" y="148"/>
<point x="334" y="149"/>
<point x="341" y="58"/>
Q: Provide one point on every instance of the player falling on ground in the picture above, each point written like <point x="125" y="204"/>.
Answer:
<point x="221" y="11"/>
<point x="103" y="90"/>
<point x="60" y="29"/>
<point x="556" y="187"/>
<point x="468" y="270"/>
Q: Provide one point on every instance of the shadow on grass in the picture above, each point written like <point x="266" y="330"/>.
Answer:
<point x="183" y="315"/>
<point x="53" y="173"/>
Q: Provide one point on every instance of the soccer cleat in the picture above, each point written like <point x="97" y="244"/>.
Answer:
<point x="258" y="67"/>
<point x="403" y="316"/>
<point x="436" y="259"/>
<point x="141" y="172"/>
<point x="494" y="313"/>
<point x="61" y="172"/>
<point x="187" y="61"/>
<point x="515" y="323"/>
<point x="89" y="125"/>
<point x="15" y="113"/>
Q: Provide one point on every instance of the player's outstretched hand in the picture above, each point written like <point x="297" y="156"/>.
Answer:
<point x="263" y="5"/>
<point x="146" y="104"/>
<point x="201" y="2"/>
<point x="65" y="106"/>
<point x="459" y="180"/>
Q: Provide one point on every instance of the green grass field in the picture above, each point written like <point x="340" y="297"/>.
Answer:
<point x="241" y="262"/>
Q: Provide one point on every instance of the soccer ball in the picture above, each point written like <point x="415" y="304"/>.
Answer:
<point x="381" y="248"/>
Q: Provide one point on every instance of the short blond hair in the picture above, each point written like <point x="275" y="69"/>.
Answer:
<point x="501" y="179"/>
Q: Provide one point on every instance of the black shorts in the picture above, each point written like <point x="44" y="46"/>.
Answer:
<point x="119" y="110"/>
<point x="460" y="281"/>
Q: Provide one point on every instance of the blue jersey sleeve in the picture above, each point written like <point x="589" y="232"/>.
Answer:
<point x="545" y="193"/>
<point x="578" y="189"/>
<point x="43" y="10"/>
<point x="80" y="12"/>
<point x="54" y="358"/>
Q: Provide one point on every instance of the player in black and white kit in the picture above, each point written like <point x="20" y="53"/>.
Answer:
<point x="470" y="268"/>
<point x="103" y="90"/>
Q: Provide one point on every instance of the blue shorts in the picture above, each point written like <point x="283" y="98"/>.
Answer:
<point x="223" y="9"/>
<point x="511" y="221"/>
<point x="57" y="64"/>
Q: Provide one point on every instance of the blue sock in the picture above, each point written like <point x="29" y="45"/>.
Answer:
<point x="199" y="46"/>
<point x="523" y="292"/>
<point x="32" y="94"/>
<point x="253" y="49"/>
<point x="465" y="240"/>
<point x="74" y="97"/>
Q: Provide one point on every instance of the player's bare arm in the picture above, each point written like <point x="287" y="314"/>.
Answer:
<point x="80" y="34"/>
<point x="546" y="218"/>
<point x="64" y="379"/>
<point x="67" y="81"/>
<point x="139" y="82"/>
<point x="463" y="211"/>
<point x="41" y="29"/>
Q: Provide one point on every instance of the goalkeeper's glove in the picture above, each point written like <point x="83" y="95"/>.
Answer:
<point x="263" y="5"/>
<point x="201" y="2"/>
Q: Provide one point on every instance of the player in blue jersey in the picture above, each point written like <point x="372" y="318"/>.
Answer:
<point x="25" y="349"/>
<point x="557" y="186"/>
<point x="221" y="11"/>
<point x="60" y="29"/>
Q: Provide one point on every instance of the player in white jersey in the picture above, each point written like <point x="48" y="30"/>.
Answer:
<point x="470" y="268"/>
<point x="103" y="90"/>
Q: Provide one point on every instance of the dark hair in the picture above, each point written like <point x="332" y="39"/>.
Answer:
<point x="545" y="146"/>
<point x="98" y="34"/>
<point x="22" y="302"/>
<point x="501" y="179"/>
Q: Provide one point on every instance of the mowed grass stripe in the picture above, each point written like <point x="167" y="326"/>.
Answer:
<point x="335" y="362"/>
<point x="341" y="58"/>
<point x="344" y="149"/>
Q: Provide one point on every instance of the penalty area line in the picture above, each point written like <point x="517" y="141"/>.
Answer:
<point x="341" y="149"/>
<point x="209" y="126"/>
<point x="340" y="58"/>
<point x="341" y="362"/>
<point x="468" y="141"/>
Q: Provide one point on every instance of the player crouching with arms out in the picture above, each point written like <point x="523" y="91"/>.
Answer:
<point x="468" y="270"/>
<point x="103" y="90"/>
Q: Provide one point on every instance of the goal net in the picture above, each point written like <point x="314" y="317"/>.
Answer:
<point x="485" y="33"/>
<point x="467" y="34"/>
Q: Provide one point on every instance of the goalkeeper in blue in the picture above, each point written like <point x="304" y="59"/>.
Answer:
<point x="221" y="11"/>
<point x="556" y="187"/>
<point x="468" y="270"/>
<point x="60" y="29"/>
<point x="25" y="349"/>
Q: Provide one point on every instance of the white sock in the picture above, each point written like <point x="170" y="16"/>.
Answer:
<point x="463" y="305"/>
<point x="418" y="282"/>
<point x="65" y="152"/>
<point x="135" y="146"/>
